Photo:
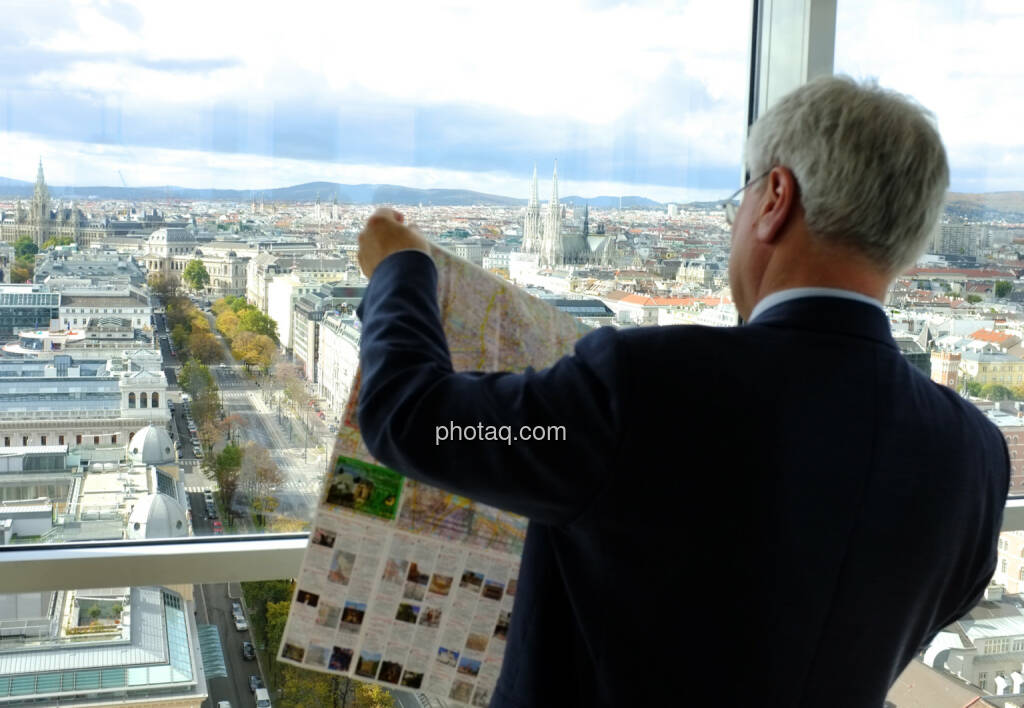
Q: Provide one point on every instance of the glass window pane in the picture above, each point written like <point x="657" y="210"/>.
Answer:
<point x="640" y="105"/>
<point x="647" y="135"/>
<point x="23" y="685"/>
<point x="48" y="683"/>
<point x="958" y="60"/>
<point x="112" y="678"/>
<point x="87" y="680"/>
<point x="137" y="676"/>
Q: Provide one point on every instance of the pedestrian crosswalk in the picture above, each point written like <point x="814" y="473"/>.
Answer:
<point x="190" y="463"/>
<point x="300" y="485"/>
<point x="291" y="485"/>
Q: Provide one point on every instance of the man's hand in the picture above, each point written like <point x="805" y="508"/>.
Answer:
<point x="385" y="233"/>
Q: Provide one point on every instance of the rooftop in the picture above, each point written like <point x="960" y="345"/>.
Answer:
<point x="152" y="652"/>
<point x="104" y="301"/>
<point x="991" y="357"/>
<point x="988" y="335"/>
<point x="28" y="299"/>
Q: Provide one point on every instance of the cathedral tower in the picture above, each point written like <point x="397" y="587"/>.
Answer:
<point x="39" y="211"/>
<point x="531" y="225"/>
<point x="551" y="249"/>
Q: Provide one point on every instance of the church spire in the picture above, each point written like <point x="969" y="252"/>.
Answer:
<point x="39" y="212"/>
<point x="41" y="193"/>
<point x="554" y="188"/>
<point x="551" y="251"/>
<point x="532" y="222"/>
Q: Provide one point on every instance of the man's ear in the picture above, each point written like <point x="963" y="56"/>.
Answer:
<point x="776" y="203"/>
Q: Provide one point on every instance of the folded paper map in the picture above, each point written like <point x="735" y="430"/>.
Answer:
<point x="404" y="584"/>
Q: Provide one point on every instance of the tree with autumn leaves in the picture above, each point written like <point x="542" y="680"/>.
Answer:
<point x="252" y="335"/>
<point x="269" y="602"/>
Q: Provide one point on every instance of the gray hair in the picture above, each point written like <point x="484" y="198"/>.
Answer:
<point x="869" y="164"/>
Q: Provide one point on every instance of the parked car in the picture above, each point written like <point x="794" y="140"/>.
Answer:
<point x="223" y="704"/>
<point x="236" y="608"/>
<point x="240" y="624"/>
<point x="262" y="696"/>
<point x="248" y="651"/>
<point x="255" y="682"/>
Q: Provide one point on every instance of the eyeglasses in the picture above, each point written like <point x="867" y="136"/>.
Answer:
<point x="730" y="208"/>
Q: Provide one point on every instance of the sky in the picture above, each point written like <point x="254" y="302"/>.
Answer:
<point x="642" y="98"/>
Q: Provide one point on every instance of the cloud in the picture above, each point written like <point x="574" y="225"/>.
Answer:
<point x="641" y="148"/>
<point x="73" y="163"/>
<point x="123" y="13"/>
<point x="615" y="91"/>
<point x="643" y="93"/>
<point x="961" y="61"/>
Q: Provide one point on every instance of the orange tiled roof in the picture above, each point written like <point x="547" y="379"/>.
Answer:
<point x="988" y="335"/>
<point x="673" y="301"/>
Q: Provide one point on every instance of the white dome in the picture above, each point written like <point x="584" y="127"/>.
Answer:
<point x="151" y="446"/>
<point x="157" y="516"/>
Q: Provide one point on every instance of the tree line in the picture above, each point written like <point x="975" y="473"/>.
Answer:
<point x="268" y="603"/>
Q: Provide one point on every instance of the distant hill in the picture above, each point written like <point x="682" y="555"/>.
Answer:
<point x="12" y="186"/>
<point x="308" y="192"/>
<point x="630" y="202"/>
<point x="987" y="205"/>
<point x="327" y="191"/>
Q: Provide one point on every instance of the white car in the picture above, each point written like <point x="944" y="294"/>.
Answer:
<point x="223" y="704"/>
<point x="240" y="624"/>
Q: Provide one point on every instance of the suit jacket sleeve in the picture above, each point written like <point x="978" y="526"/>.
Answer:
<point x="412" y="404"/>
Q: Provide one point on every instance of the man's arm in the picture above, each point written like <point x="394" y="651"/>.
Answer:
<point x="410" y="397"/>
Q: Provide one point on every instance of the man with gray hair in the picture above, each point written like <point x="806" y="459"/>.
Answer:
<point x="780" y="514"/>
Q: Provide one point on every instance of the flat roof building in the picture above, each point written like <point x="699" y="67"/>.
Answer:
<point x="27" y="307"/>
<point x="81" y="403"/>
<point x="139" y="645"/>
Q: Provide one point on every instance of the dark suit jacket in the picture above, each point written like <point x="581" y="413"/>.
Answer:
<point x="779" y="514"/>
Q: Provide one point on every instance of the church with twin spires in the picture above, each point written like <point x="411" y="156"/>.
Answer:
<point x="561" y="241"/>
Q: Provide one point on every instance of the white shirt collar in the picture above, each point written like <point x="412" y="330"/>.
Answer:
<point x="777" y="298"/>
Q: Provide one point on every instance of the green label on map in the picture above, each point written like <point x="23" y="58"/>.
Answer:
<point x="360" y="486"/>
